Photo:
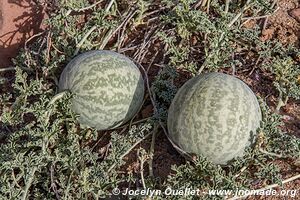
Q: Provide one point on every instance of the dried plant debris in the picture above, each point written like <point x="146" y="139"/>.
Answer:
<point x="45" y="154"/>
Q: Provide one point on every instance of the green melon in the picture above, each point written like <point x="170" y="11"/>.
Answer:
<point x="214" y="115"/>
<point x="108" y="88"/>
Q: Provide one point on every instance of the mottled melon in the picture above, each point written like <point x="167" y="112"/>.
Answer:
<point x="108" y="88"/>
<point x="214" y="115"/>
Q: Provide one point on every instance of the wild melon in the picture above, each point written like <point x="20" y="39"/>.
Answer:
<point x="108" y="88"/>
<point x="214" y="115"/>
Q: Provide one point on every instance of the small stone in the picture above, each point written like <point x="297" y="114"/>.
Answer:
<point x="267" y="34"/>
<point x="295" y="13"/>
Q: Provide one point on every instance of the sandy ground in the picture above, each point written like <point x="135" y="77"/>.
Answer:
<point x="19" y="20"/>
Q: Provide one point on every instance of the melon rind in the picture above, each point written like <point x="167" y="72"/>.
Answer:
<point x="108" y="88"/>
<point x="214" y="115"/>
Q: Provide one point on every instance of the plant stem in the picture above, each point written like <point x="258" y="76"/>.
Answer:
<point x="123" y="25"/>
<point x="227" y="6"/>
<point x="208" y="6"/>
<point x="239" y="14"/>
<point x="34" y="36"/>
<point x="132" y="147"/>
<point x="142" y="159"/>
<point x="270" y="153"/>
<point x="66" y="192"/>
<point x="14" y="68"/>
<point x="279" y="105"/>
<point x="197" y="4"/>
<point x="267" y="18"/>
<point x="53" y="185"/>
<point x="241" y="171"/>
<point x="256" y="17"/>
<point x="203" y="3"/>
<point x="183" y="153"/>
<point x="78" y="46"/>
<point x="134" y="122"/>
<point x="109" y="5"/>
<point x="52" y="101"/>
<point x="106" y="39"/>
<point x="29" y="182"/>
<point x="152" y="151"/>
<point x="201" y="68"/>
<point x="85" y="8"/>
<point x="57" y="97"/>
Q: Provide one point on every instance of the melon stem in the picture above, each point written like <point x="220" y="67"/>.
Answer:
<point x="52" y="101"/>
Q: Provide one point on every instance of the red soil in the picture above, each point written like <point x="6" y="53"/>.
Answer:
<point x="19" y="20"/>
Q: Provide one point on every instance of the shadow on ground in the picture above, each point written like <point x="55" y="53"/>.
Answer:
<point x="19" y="20"/>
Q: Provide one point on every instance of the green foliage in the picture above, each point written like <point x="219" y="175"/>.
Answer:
<point x="286" y="74"/>
<point x="217" y="36"/>
<point x="213" y="36"/>
<point x="279" y="60"/>
<point x="176" y="55"/>
<point x="202" y="175"/>
<point x="45" y="155"/>
<point x="142" y="8"/>
<point x="205" y="176"/>
<point x="288" y="146"/>
<point x="187" y="20"/>
<point x="164" y="90"/>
